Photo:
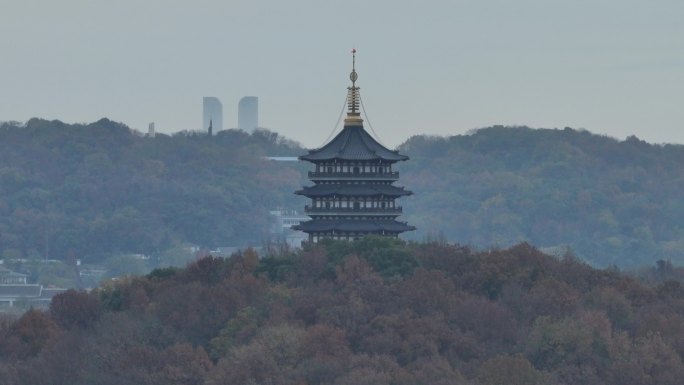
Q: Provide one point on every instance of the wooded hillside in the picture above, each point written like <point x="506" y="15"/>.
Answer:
<point x="377" y="311"/>
<point x="98" y="190"/>
<point x="92" y="191"/>
<point x="612" y="202"/>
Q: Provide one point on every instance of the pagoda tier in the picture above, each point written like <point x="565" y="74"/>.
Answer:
<point x="349" y="189"/>
<point x="357" y="227"/>
<point x="353" y="193"/>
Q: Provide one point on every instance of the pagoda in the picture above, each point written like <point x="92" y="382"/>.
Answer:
<point x="353" y="193"/>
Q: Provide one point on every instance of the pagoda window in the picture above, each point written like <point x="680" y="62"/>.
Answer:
<point x="357" y="206"/>
<point x="356" y="170"/>
<point x="330" y="170"/>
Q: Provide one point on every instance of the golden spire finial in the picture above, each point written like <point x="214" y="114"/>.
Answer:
<point x="353" y="97"/>
<point x="353" y="76"/>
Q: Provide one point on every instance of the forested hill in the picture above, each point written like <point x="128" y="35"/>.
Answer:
<point x="373" y="312"/>
<point x="612" y="202"/>
<point x="89" y="191"/>
<point x="92" y="191"/>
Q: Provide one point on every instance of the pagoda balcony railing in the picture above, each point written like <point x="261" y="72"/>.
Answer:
<point x="350" y="210"/>
<point x="394" y="175"/>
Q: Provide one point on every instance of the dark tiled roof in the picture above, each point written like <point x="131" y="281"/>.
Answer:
<point x="353" y="190"/>
<point x="9" y="273"/>
<point x="353" y="143"/>
<point x="365" y="226"/>
<point x="50" y="292"/>
<point x="15" y="291"/>
<point x="13" y="274"/>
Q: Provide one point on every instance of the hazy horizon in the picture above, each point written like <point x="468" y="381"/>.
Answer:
<point x="438" y="67"/>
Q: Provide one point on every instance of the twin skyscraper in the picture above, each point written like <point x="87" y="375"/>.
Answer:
<point x="248" y="114"/>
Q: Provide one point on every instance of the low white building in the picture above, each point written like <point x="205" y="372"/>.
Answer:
<point x="14" y="288"/>
<point x="282" y="226"/>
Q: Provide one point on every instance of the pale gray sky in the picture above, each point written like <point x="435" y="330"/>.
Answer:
<point x="614" y="67"/>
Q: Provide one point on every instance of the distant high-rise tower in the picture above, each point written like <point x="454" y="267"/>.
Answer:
<point x="150" y="130"/>
<point x="212" y="114"/>
<point x="248" y="113"/>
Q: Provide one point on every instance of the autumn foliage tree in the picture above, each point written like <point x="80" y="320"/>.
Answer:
<point x="337" y="313"/>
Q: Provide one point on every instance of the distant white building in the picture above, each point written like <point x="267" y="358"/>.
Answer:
<point x="13" y="288"/>
<point x="8" y="277"/>
<point x="212" y="114"/>
<point x="283" y="158"/>
<point x="282" y="226"/>
<point x="248" y="113"/>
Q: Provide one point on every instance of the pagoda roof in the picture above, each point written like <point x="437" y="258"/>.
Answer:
<point x="353" y="143"/>
<point x="9" y="273"/>
<point x="19" y="290"/>
<point x="353" y="190"/>
<point x="363" y="226"/>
